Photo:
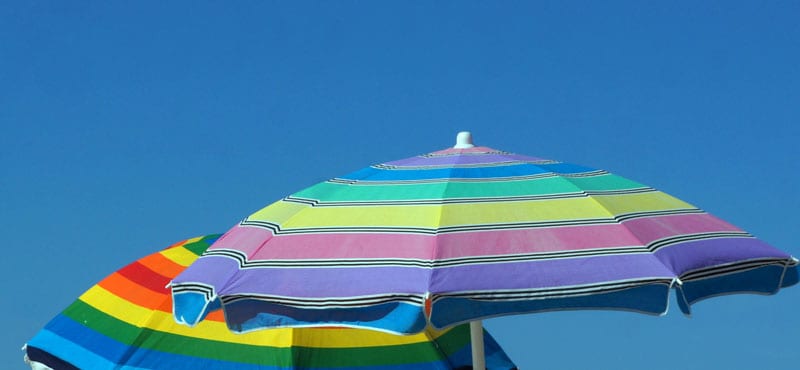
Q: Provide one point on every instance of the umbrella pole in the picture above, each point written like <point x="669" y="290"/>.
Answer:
<point x="476" y="338"/>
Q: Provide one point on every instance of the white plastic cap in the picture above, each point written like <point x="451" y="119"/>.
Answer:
<point x="464" y="140"/>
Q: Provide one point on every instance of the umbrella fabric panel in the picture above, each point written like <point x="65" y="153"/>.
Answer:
<point x="125" y="320"/>
<point x="465" y="224"/>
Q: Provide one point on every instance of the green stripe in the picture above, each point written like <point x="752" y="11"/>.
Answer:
<point x="337" y="192"/>
<point x="200" y="246"/>
<point x="131" y="335"/>
<point x="381" y="355"/>
<point x="85" y="314"/>
<point x="454" y="340"/>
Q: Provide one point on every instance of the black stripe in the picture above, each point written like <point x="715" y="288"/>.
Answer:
<point x="46" y="358"/>
<point x="665" y="242"/>
<point x="634" y="215"/>
<point x="199" y="288"/>
<point x="732" y="268"/>
<point x="541" y="293"/>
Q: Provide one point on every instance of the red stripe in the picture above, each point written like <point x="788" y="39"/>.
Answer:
<point x="145" y="277"/>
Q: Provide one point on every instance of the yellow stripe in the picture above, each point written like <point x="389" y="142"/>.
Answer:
<point x="293" y="215"/>
<point x="139" y="316"/>
<point x="179" y="255"/>
<point x="192" y="240"/>
<point x="630" y="203"/>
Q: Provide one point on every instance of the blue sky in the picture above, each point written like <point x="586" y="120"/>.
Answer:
<point x="129" y="126"/>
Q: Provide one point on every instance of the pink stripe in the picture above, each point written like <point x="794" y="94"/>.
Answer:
<point x="501" y="242"/>
<point x="322" y="246"/>
<point x="654" y="228"/>
<point x="635" y="232"/>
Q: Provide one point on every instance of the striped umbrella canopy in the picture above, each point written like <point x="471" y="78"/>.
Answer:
<point x="125" y="322"/>
<point x="467" y="233"/>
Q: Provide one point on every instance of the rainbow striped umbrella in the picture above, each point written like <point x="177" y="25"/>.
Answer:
<point x="125" y="322"/>
<point x="467" y="233"/>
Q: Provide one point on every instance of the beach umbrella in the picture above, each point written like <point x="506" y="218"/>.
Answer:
<point x="125" y="321"/>
<point x="468" y="233"/>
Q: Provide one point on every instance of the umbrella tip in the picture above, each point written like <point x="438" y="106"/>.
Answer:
<point x="464" y="140"/>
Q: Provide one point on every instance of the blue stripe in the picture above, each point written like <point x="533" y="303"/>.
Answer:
<point x="74" y="353"/>
<point x="191" y="307"/>
<point x="762" y="280"/>
<point x="85" y="337"/>
<point x="525" y="169"/>
<point x="651" y="299"/>
<point x="250" y="314"/>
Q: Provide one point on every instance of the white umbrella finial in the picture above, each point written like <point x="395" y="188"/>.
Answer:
<point x="464" y="140"/>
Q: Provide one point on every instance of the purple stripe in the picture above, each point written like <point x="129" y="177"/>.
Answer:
<point x="356" y="281"/>
<point x="548" y="273"/>
<point x="698" y="254"/>
<point x="211" y="270"/>
<point x="461" y="159"/>
<point x="328" y="282"/>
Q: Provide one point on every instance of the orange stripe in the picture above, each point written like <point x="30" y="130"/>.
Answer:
<point x="121" y="287"/>
<point x="136" y="294"/>
<point x="215" y="316"/>
<point x="164" y="266"/>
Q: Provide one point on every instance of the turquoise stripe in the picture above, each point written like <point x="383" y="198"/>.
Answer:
<point x="339" y="192"/>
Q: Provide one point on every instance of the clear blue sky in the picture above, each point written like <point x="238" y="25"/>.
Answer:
<point x="127" y="126"/>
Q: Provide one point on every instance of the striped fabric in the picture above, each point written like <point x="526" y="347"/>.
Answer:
<point x="464" y="234"/>
<point x="125" y="322"/>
